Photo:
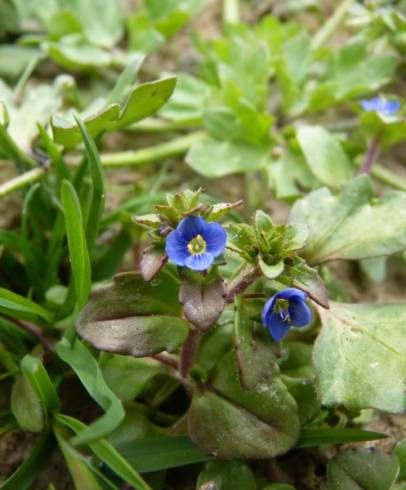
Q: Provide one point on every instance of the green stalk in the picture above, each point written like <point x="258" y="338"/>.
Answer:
<point x="176" y="147"/>
<point x="22" y="181"/>
<point x="387" y="177"/>
<point x="231" y="12"/>
<point x="154" y="125"/>
<point x="328" y="29"/>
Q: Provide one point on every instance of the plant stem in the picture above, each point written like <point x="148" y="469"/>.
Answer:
<point x="176" y="147"/>
<point x="387" y="177"/>
<point x="189" y="350"/>
<point x="241" y="282"/>
<point x="36" y="332"/>
<point x="22" y="181"/>
<point x="155" y="125"/>
<point x="370" y="157"/>
<point x="231" y="12"/>
<point x="323" y="34"/>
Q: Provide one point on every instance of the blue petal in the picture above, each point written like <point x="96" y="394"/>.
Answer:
<point x="199" y="262"/>
<point x="277" y="327"/>
<point x="268" y="310"/>
<point x="176" y="248"/>
<point x="390" y="107"/>
<point x="291" y="294"/>
<point x="371" y="104"/>
<point x="190" y="227"/>
<point x="215" y="237"/>
<point x="300" y="313"/>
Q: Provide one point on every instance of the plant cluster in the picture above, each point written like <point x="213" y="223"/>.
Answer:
<point x="173" y="340"/>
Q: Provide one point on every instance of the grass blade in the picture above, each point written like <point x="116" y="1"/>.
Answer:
<point x="314" y="436"/>
<point x="162" y="453"/>
<point x="37" y="375"/>
<point x="108" y="454"/>
<point x="85" y="366"/>
<point x="78" y="252"/>
<point x="98" y="188"/>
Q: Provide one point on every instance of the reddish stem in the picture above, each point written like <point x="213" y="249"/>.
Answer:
<point x="36" y="332"/>
<point x="189" y="350"/>
<point x="371" y="155"/>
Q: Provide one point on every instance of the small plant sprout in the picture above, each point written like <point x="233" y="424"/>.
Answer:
<point x="386" y="107"/>
<point x="284" y="310"/>
<point x="195" y="243"/>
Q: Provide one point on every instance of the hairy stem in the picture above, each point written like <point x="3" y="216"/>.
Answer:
<point x="189" y="351"/>
<point x="241" y="282"/>
<point x="371" y="155"/>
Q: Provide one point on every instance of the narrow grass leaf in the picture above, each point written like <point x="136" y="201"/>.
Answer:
<point x="87" y="369"/>
<point x="98" y="189"/>
<point x="162" y="453"/>
<point x="78" y="252"/>
<point x="314" y="436"/>
<point x="108" y="454"/>
<point x="37" y="375"/>
<point x="17" y="306"/>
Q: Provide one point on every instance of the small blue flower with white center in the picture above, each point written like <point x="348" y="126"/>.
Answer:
<point x="195" y="243"/>
<point x="284" y="310"/>
<point x="382" y="105"/>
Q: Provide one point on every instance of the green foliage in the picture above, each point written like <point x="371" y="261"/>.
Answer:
<point x="368" y="469"/>
<point x="262" y="115"/>
<point x="359" y="356"/>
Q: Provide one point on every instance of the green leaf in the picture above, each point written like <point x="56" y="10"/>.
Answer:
<point x="128" y="376"/>
<point x="78" y="55"/>
<point x="359" y="356"/>
<point x="212" y="158"/>
<point x="102" y="20"/>
<point x="249" y="347"/>
<point x="202" y="299"/>
<point x="33" y="465"/>
<point x="87" y="369"/>
<point x="400" y="453"/>
<point x="340" y="225"/>
<point x="162" y="453"/>
<point x="98" y="187"/>
<point x="26" y="406"/>
<point x="232" y="422"/>
<point x="315" y="436"/>
<point x="37" y="106"/>
<point x="37" y="375"/>
<point x="79" y="467"/>
<point x="68" y="134"/>
<point x="365" y="469"/>
<point x="78" y="252"/>
<point x="106" y="453"/>
<point x="227" y="475"/>
<point x="304" y="392"/>
<point x="187" y="102"/>
<point x="133" y="317"/>
<point x="289" y="175"/>
<point x="142" y="101"/>
<point x="324" y="155"/>
<point x="19" y="307"/>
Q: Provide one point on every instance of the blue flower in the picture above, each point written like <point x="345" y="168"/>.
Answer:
<point x="195" y="243"/>
<point x="380" y="104"/>
<point x="286" y="309"/>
